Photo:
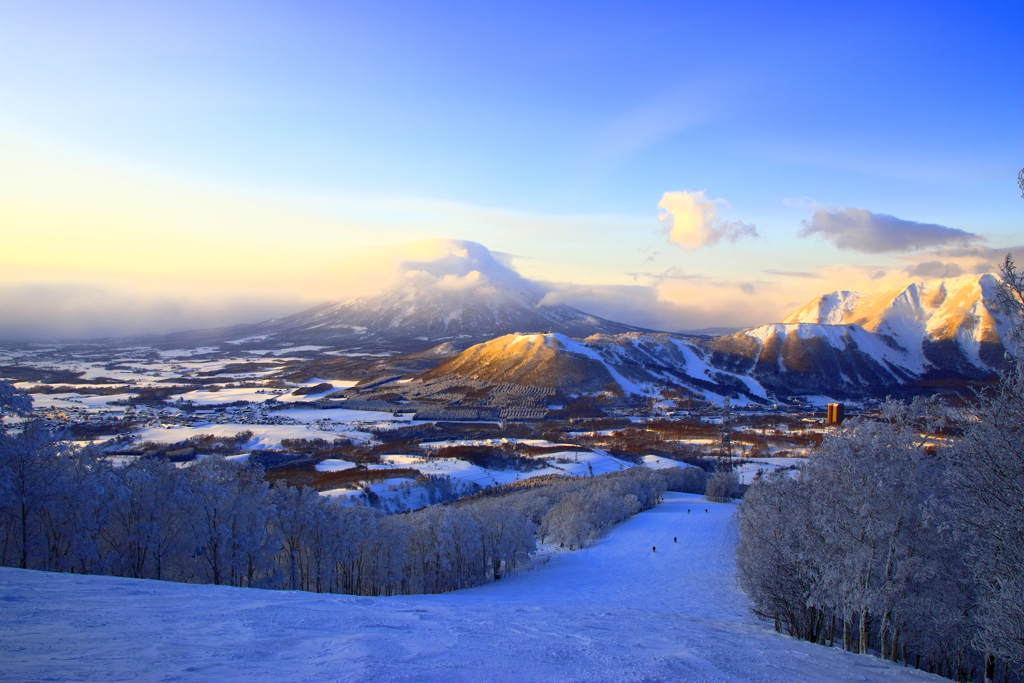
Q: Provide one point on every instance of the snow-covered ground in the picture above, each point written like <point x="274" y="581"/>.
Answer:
<point x="614" y="612"/>
<point x="656" y="462"/>
<point x="230" y="395"/>
<point x="572" y="463"/>
<point x="85" y="402"/>
<point x="748" y="469"/>
<point x="310" y="423"/>
<point x="333" y="465"/>
<point x="264" y="436"/>
<point x="343" y="415"/>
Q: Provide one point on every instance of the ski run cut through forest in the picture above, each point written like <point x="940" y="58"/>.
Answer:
<point x="616" y="611"/>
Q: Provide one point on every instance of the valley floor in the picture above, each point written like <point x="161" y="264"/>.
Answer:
<point x="617" y="611"/>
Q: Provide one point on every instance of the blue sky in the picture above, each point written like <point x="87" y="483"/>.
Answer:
<point x="391" y="122"/>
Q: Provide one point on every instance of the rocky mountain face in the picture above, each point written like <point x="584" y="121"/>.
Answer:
<point x="804" y="358"/>
<point x="948" y="326"/>
<point x="532" y="374"/>
<point x="847" y="343"/>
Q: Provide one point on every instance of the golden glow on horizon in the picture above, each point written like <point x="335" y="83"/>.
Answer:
<point x="76" y="222"/>
<point x="64" y="220"/>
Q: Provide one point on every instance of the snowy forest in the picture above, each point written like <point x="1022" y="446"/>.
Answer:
<point x="903" y="537"/>
<point x="65" y="508"/>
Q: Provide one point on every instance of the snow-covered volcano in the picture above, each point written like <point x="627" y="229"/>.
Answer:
<point x="460" y="291"/>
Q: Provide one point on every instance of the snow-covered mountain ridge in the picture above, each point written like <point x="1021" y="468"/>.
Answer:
<point x="916" y="318"/>
<point x="842" y="344"/>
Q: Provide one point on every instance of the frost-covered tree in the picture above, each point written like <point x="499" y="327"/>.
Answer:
<point x="65" y="508"/>
<point x="988" y="473"/>
<point x="507" y="537"/>
<point x="79" y="511"/>
<point x="1010" y="297"/>
<point x="988" y="468"/>
<point x="225" y="510"/>
<point x="776" y="559"/>
<point x="685" y="479"/>
<point x="568" y="524"/>
<point x="13" y="403"/>
<point x="906" y="547"/>
<point x="871" y="489"/>
<point x="146" y="537"/>
<point x="722" y="487"/>
<point x="31" y="484"/>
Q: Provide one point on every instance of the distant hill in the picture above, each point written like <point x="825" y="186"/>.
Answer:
<point x="539" y="360"/>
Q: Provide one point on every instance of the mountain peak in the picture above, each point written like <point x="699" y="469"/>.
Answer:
<point x="446" y="290"/>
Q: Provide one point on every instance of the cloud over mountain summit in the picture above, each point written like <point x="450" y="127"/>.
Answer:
<point x="452" y="265"/>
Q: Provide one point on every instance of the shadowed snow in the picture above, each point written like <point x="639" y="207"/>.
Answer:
<point x="615" y="612"/>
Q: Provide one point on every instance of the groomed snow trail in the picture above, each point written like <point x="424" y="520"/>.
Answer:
<point x="617" y="611"/>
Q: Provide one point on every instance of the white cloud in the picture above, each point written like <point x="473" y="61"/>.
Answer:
<point x="694" y="223"/>
<point x="878" y="233"/>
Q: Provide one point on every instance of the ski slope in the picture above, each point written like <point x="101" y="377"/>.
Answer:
<point x="614" y="612"/>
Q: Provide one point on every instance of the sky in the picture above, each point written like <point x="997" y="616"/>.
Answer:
<point x="675" y="165"/>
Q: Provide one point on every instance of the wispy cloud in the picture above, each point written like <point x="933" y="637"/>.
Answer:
<point x="794" y="273"/>
<point x="934" y="270"/>
<point x="993" y="254"/>
<point x="670" y="273"/>
<point x="878" y="233"/>
<point x="694" y="223"/>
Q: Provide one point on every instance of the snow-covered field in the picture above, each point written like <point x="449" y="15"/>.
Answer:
<point x="614" y="612"/>
<point x="572" y="463"/>
<point x="264" y="436"/>
<point x="85" y="402"/>
<point x="748" y="469"/>
<point x="230" y="396"/>
<point x="310" y="424"/>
